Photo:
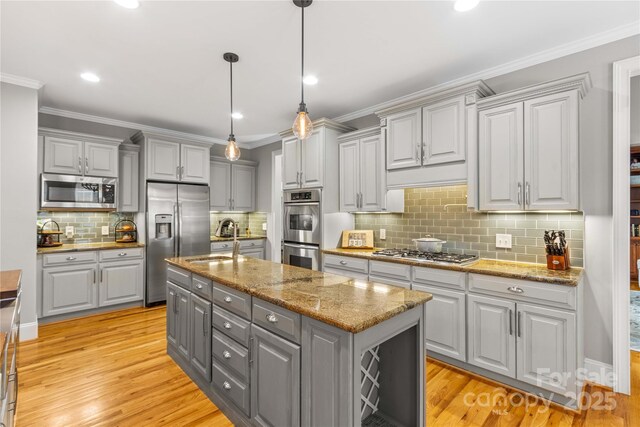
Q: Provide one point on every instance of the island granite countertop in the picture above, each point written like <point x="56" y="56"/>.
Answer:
<point x="348" y="304"/>
<point x="99" y="246"/>
<point x="511" y="269"/>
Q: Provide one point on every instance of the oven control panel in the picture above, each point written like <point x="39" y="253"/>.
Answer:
<point x="306" y="195"/>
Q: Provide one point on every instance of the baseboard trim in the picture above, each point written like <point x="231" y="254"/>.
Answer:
<point x="599" y="373"/>
<point x="28" y="331"/>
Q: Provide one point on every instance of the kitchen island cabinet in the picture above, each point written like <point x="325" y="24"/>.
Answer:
<point x="293" y="346"/>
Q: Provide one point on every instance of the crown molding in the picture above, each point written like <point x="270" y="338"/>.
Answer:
<point x="324" y="122"/>
<point x="262" y="142"/>
<point x="78" y="135"/>
<point x="576" y="46"/>
<point x="360" y="133"/>
<point x="131" y="125"/>
<point x="21" y="81"/>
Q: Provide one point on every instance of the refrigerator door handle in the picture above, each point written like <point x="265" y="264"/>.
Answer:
<point x="179" y="228"/>
<point x="175" y="229"/>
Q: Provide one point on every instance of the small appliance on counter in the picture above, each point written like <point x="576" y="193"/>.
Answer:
<point x="126" y="231"/>
<point x="357" y="239"/>
<point x="226" y="228"/>
<point x="557" y="250"/>
<point x="48" y="238"/>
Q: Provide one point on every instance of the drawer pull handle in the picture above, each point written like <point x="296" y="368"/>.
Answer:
<point x="198" y="285"/>
<point x="122" y="254"/>
<point x="225" y="246"/>
<point x="70" y="258"/>
<point x="272" y="318"/>
<point x="253" y="244"/>
<point x="227" y="299"/>
<point x="227" y="325"/>
<point x="226" y="385"/>
<point x="343" y="262"/>
<point x="515" y="289"/>
<point x="226" y="354"/>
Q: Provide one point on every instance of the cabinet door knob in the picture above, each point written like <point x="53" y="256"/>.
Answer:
<point x="272" y="318"/>
<point x="225" y="246"/>
<point x="226" y="354"/>
<point x="227" y="299"/>
<point x="198" y="285"/>
<point x="227" y="325"/>
<point x="343" y="262"/>
<point x="515" y="289"/>
<point x="226" y="385"/>
<point x="122" y="254"/>
<point x="70" y="258"/>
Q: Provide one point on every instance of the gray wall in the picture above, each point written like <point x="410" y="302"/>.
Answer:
<point x="264" y="177"/>
<point x="18" y="193"/>
<point x="635" y="110"/>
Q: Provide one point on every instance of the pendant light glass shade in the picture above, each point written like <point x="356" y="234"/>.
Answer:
<point x="232" y="152"/>
<point x="302" y="126"/>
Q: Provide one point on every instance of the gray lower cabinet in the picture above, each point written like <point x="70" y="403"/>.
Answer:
<point x="121" y="282"/>
<point x="275" y="380"/>
<point x="253" y="253"/>
<point x="492" y="343"/>
<point x="68" y="289"/>
<point x="178" y="307"/>
<point x="446" y="314"/>
<point x="172" y="315"/>
<point x="200" y="331"/>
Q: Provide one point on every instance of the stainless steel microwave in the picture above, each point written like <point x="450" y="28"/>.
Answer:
<point x="62" y="192"/>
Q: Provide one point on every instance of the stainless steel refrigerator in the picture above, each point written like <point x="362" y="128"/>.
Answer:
<point x="177" y="225"/>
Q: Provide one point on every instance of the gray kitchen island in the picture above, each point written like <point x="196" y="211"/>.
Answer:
<point x="277" y="345"/>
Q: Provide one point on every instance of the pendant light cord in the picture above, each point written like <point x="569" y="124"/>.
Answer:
<point x="302" y="73"/>
<point x="231" y="92"/>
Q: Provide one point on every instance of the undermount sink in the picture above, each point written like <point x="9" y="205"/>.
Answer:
<point x="209" y="259"/>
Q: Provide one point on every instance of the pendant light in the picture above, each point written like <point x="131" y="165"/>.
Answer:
<point x="232" y="152"/>
<point x="302" y="126"/>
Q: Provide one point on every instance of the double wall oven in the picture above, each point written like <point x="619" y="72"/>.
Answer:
<point x="302" y="230"/>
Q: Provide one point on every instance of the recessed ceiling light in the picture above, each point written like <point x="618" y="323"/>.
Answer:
<point x="465" y="5"/>
<point x="129" y="4"/>
<point x="237" y="115"/>
<point x="90" y="77"/>
<point x="310" y="80"/>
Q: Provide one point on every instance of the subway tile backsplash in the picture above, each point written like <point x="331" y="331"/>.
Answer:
<point x="87" y="225"/>
<point x="472" y="232"/>
<point x="253" y="220"/>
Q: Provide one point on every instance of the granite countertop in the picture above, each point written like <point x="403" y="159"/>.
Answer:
<point x="9" y="288"/>
<point x="351" y="305"/>
<point x="9" y="283"/>
<point x="227" y="239"/>
<point x="75" y="247"/>
<point x="511" y="269"/>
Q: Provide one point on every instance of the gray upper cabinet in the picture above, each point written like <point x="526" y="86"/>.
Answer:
<point x="492" y="343"/>
<point x="121" y="281"/>
<point x="546" y="346"/>
<point x="233" y="185"/>
<point x="443" y="128"/>
<point x="128" y="180"/>
<point x="362" y="173"/>
<point x="75" y="153"/>
<point x="528" y="145"/>
<point x="501" y="161"/>
<point x="290" y="163"/>
<point x="404" y="133"/>
<point x="174" y="160"/>
<point x="312" y="160"/>
<point x="68" y="289"/>
<point x="200" y="330"/>
<point x="275" y="380"/>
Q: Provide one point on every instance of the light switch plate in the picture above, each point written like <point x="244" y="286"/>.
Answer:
<point x="105" y="230"/>
<point x="383" y="234"/>
<point x="264" y="226"/>
<point x="503" y="241"/>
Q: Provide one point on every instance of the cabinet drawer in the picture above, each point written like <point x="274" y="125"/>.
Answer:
<point x="235" y="301"/>
<point x="231" y="388"/>
<point x="221" y="246"/>
<point x="392" y="282"/>
<point x="277" y="320"/>
<point x="390" y="270"/>
<point x="351" y="274"/>
<point x="120" y="254"/>
<point x="522" y="290"/>
<point x="437" y="277"/>
<point x="179" y="276"/>
<point x="231" y="325"/>
<point x="202" y="287"/>
<point x="357" y="265"/>
<point x="231" y="355"/>
<point x="248" y="244"/>
<point x="69" y="258"/>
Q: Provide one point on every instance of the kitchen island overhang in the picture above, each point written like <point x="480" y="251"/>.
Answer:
<point x="273" y="344"/>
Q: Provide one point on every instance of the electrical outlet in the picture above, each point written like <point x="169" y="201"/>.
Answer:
<point x="503" y="241"/>
<point x="105" y="230"/>
<point x="383" y="234"/>
<point x="69" y="231"/>
<point x="264" y="226"/>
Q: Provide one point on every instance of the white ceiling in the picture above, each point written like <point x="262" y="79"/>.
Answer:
<point x="161" y="64"/>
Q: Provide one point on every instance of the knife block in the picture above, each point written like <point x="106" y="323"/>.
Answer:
<point x="559" y="262"/>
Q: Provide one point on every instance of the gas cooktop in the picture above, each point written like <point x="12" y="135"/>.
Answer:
<point x="433" y="257"/>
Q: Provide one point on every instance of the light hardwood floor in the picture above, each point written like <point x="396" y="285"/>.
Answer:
<point x="112" y="370"/>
